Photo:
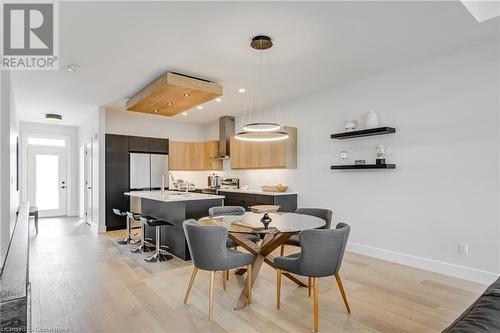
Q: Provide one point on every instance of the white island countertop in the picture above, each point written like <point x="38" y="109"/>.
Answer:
<point x="172" y="196"/>
<point x="250" y="191"/>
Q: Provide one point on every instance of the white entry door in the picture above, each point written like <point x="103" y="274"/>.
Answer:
<point x="47" y="184"/>
<point x="88" y="182"/>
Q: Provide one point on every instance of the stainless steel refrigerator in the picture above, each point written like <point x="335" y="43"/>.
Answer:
<point x="146" y="171"/>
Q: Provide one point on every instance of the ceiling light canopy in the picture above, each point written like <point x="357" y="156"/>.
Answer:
<point x="254" y="129"/>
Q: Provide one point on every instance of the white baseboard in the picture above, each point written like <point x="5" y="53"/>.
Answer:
<point x="458" y="271"/>
<point x="101" y="229"/>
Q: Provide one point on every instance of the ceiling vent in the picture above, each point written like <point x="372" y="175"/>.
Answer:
<point x="53" y="117"/>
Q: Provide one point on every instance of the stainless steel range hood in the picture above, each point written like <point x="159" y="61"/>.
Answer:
<point x="226" y="131"/>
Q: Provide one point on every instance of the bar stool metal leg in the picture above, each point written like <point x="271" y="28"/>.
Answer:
<point x="142" y="247"/>
<point x="158" y="256"/>
<point x="127" y="239"/>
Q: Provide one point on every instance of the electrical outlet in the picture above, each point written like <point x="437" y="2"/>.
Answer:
<point x="463" y="249"/>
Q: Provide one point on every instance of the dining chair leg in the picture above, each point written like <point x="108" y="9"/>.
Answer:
<point x="278" y="288"/>
<point x="249" y="283"/>
<point x="211" y="295"/>
<point x="282" y="250"/>
<point x="316" y="305"/>
<point x="190" y="285"/>
<point x="342" y="292"/>
<point x="224" y="280"/>
<point x="227" y="275"/>
<point x="309" y="286"/>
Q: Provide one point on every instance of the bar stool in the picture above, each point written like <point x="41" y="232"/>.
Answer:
<point x="142" y="247"/>
<point x="122" y="213"/>
<point x="128" y="216"/>
<point x="158" y="256"/>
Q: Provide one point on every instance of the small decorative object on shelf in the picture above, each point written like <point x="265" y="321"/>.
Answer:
<point x="344" y="155"/>
<point x="351" y="124"/>
<point x="266" y="219"/>
<point x="371" y="119"/>
<point x="359" y="162"/>
<point x="380" y="155"/>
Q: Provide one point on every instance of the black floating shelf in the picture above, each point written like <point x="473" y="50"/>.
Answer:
<point x="363" y="166"/>
<point x="365" y="132"/>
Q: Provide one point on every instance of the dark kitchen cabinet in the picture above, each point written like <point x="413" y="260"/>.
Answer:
<point x="138" y="144"/>
<point x="158" y="146"/>
<point x="117" y="179"/>
<point x="288" y="202"/>
<point x="117" y="169"/>
<point x="116" y="151"/>
<point x="117" y="183"/>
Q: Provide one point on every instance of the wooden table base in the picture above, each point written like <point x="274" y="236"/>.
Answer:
<point x="262" y="254"/>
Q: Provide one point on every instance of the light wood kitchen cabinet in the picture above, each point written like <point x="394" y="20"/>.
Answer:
<point x="194" y="156"/>
<point x="265" y="155"/>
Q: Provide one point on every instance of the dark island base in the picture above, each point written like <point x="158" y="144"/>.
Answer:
<point x="176" y="213"/>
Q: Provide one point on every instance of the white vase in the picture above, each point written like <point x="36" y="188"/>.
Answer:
<point x="371" y="119"/>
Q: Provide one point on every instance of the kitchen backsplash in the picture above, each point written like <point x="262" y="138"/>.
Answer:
<point x="253" y="178"/>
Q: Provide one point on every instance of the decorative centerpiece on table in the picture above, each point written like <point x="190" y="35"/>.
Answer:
<point x="266" y="209"/>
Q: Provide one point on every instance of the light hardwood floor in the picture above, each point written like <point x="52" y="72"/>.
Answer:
<point x="82" y="282"/>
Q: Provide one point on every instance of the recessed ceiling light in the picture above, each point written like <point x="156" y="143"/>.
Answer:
<point x="184" y="113"/>
<point x="199" y="107"/>
<point x="218" y="99"/>
<point x="187" y="95"/>
<point x="73" y="68"/>
<point x="53" y="117"/>
<point x="169" y="103"/>
<point x="241" y="90"/>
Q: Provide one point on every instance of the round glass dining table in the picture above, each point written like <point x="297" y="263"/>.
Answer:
<point x="281" y="228"/>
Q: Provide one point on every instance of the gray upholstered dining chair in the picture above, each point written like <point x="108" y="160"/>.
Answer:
<point x="324" y="214"/>
<point x="321" y="255"/>
<point x="231" y="210"/>
<point x="207" y="245"/>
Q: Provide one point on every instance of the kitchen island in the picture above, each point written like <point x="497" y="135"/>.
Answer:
<point x="174" y="207"/>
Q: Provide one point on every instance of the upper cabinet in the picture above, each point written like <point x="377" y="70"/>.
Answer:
<point x="158" y="146"/>
<point x="194" y="156"/>
<point x="139" y="144"/>
<point x="265" y="155"/>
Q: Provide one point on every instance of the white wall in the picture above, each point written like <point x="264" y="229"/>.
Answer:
<point x="141" y="124"/>
<point x="445" y="189"/>
<point x="27" y="128"/>
<point x="92" y="130"/>
<point x="9" y="196"/>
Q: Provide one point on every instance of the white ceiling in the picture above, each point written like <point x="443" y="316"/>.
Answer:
<point x="122" y="46"/>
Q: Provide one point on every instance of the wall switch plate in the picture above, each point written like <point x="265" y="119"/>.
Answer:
<point x="463" y="249"/>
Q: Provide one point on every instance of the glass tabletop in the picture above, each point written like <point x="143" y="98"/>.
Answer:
<point x="250" y="222"/>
